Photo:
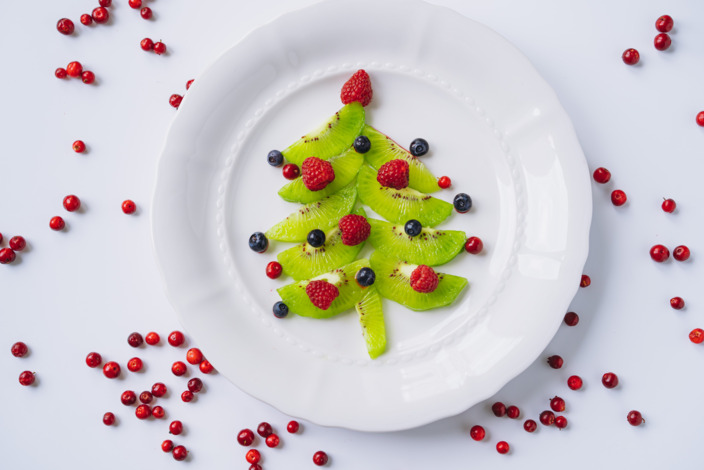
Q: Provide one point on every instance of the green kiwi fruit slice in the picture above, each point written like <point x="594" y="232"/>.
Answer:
<point x="371" y="317"/>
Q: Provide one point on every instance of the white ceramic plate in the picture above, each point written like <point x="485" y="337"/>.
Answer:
<point x="494" y="126"/>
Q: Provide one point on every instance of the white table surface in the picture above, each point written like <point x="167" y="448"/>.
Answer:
<point x="87" y="288"/>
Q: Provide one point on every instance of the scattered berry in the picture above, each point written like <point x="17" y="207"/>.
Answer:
<point x="179" y="368"/>
<point x="19" y="349"/>
<point x="167" y="445"/>
<point x="677" y="303"/>
<point x="128" y="397"/>
<point x="664" y="24"/>
<point x="610" y="380"/>
<point x="547" y="417"/>
<point x="134" y="364"/>
<point x="669" y="205"/>
<point x="681" y="253"/>
<point x="530" y="425"/>
<point x="320" y="458"/>
<point x="557" y="404"/>
<point x="72" y="203"/>
<point x="292" y="427"/>
<point x="146" y="397"/>
<point x="444" y="182"/>
<point x="291" y="171"/>
<point x="134" y="339"/>
<point x="560" y="422"/>
<point x="258" y="242"/>
<point x="280" y="310"/>
<point x="513" y="412"/>
<point x="272" y="440"/>
<point x="275" y="158"/>
<point x="477" y="433"/>
<point x="362" y="144"/>
<point x="159" y="48"/>
<point x="585" y="281"/>
<point x="187" y="396"/>
<point x="206" y="367"/>
<point x="105" y="3"/>
<point x="111" y="370"/>
<point x="245" y="437"/>
<point x="108" y="419"/>
<point x="175" y="428"/>
<point x="462" y="203"/>
<point x="696" y="335"/>
<point x="86" y="19"/>
<point x="700" y="118"/>
<point x="100" y="15"/>
<point x="316" y="238"/>
<point x="136" y="4"/>
<point x="365" y="277"/>
<point x="194" y="356"/>
<point x="93" y="359"/>
<point x="317" y="173"/>
<point x="659" y="253"/>
<point x="502" y="447"/>
<point x="189" y="83"/>
<point x="571" y="319"/>
<point x="634" y="418"/>
<point x="602" y="175"/>
<point x="176" y="338"/>
<point x="264" y="429"/>
<point x="128" y="207"/>
<point x="74" y="69"/>
<point x="146" y="13"/>
<point x="630" y="57"/>
<point x="195" y="385"/>
<point x="175" y="100"/>
<point x="57" y="223"/>
<point x="79" y="146"/>
<point x="88" y="77"/>
<point x="159" y="389"/>
<point x="354" y="229"/>
<point x="413" y="228"/>
<point x="255" y="466"/>
<point x="60" y="73"/>
<point x="146" y="44"/>
<point x="26" y="378"/>
<point x="7" y="255"/>
<point x="357" y="88"/>
<point x="180" y="453"/>
<point x="474" y="245"/>
<point x="158" y="412"/>
<point x="394" y="174"/>
<point x="419" y="147"/>
<point x="143" y="412"/>
<point x="253" y="456"/>
<point x="424" y="279"/>
<point x="555" y="361"/>
<point x="574" y="382"/>
<point x="618" y="197"/>
<point x="499" y="409"/>
<point x="662" y="42"/>
<point x="322" y="293"/>
<point x="152" y="338"/>
<point x="65" y="26"/>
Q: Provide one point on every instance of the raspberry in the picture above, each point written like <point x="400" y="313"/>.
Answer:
<point x="357" y="88"/>
<point x="424" y="279"/>
<point x="316" y="173"/>
<point x="321" y="293"/>
<point x="355" y="229"/>
<point x="393" y="174"/>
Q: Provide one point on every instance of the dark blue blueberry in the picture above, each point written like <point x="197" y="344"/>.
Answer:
<point x="362" y="144"/>
<point x="280" y="309"/>
<point x="316" y="238"/>
<point x="365" y="277"/>
<point x="275" y="158"/>
<point x="258" y="242"/>
<point x="463" y="203"/>
<point x="413" y="228"/>
<point x="419" y="147"/>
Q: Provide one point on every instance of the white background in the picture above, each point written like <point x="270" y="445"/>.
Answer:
<point x="88" y="287"/>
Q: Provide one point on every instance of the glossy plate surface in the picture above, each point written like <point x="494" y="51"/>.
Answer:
<point x="494" y="126"/>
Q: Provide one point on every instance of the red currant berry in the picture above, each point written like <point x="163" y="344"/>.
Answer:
<point x="245" y="437"/>
<point x="659" y="253"/>
<point x="662" y="42"/>
<point x="65" y="26"/>
<point x="187" y="396"/>
<point x="664" y="24"/>
<point x="72" y="203"/>
<point x="513" y="412"/>
<point x="88" y="77"/>
<point x="179" y="368"/>
<point x="253" y="456"/>
<point x="180" y="453"/>
<point x="159" y="48"/>
<point x="547" y="418"/>
<point x="555" y="361"/>
<point x="610" y="380"/>
<point x="273" y="270"/>
<point x="134" y="364"/>
<point x="677" y="303"/>
<point x="105" y="3"/>
<point x="100" y="15"/>
<point x="19" y="349"/>
<point x="111" y="370"/>
<point x="560" y="422"/>
<point x="499" y="409"/>
<point x="128" y="397"/>
<point x="291" y="171"/>
<point x="143" y="412"/>
<point x="696" y="335"/>
<point x="146" y="44"/>
<point x="557" y="404"/>
<point x="167" y="445"/>
<point x="700" y="118"/>
<point x="444" y="182"/>
<point x="530" y="425"/>
<point x="586" y="281"/>
<point x="79" y="146"/>
<point x="272" y="440"/>
<point x="176" y="338"/>
<point x="86" y="19"/>
<point x="502" y="447"/>
<point x="292" y="427"/>
<point x="93" y="359"/>
<point x="474" y="245"/>
<point x="146" y="397"/>
<point x="18" y="243"/>
<point x="135" y="4"/>
<point x="134" y="339"/>
<point x="669" y="205"/>
<point x="175" y="428"/>
<point x="175" y="100"/>
<point x="602" y="175"/>
<point x="571" y="319"/>
<point x="320" y="458"/>
<point x="574" y="382"/>
<point x="264" y="429"/>
<point x="634" y="418"/>
<point x="7" y="255"/>
<point x="630" y="56"/>
<point x="255" y="466"/>
<point x="146" y="13"/>
<point x="206" y="367"/>
<point x="74" y="69"/>
<point x="618" y="197"/>
<point x="128" y="207"/>
<point x="57" y="223"/>
<point x="158" y="412"/>
<point x="152" y="338"/>
<point x="681" y="253"/>
<point x="108" y="419"/>
<point x="27" y="378"/>
<point x="60" y="73"/>
<point x="189" y="83"/>
<point x="194" y="356"/>
<point x="477" y="433"/>
<point x="159" y="389"/>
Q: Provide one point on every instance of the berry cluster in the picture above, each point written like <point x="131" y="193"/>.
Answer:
<point x="9" y="253"/>
<point x="247" y="438"/>
<point x="75" y="70"/>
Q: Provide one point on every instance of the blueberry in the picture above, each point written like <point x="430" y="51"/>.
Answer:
<point x="419" y="147"/>
<point x="316" y="238"/>
<point x="362" y="144"/>
<point x="413" y="228"/>
<point x="463" y="203"/>
<point x="365" y="277"/>
<point x="275" y="158"/>
<point x="280" y="309"/>
<point x="258" y="242"/>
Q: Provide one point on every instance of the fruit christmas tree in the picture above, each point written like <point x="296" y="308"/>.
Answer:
<point x="341" y="162"/>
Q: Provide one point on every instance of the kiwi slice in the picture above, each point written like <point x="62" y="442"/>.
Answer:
<point x="330" y="139"/>
<point x="400" y="205"/>
<point x="431" y="247"/>
<point x="393" y="282"/>
<point x="371" y="317"/>
<point x="322" y="214"/>
<point x="346" y="166"/>
<point x="384" y="149"/>
<point x="295" y="297"/>
<point x="304" y="261"/>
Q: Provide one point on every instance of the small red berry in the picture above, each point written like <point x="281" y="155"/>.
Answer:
<point x="557" y="404"/>
<point x="662" y="42"/>
<point x="195" y="385"/>
<point x="618" y="197"/>
<point x="320" y="458"/>
<point x="669" y="205"/>
<point x="79" y="146"/>
<point x="273" y="270"/>
<point x="659" y="253"/>
<point x="19" y="349"/>
<point x="513" y="412"/>
<point x="179" y="368"/>
<point x="176" y="427"/>
<point x="146" y="44"/>
<point x="159" y="389"/>
<point x="72" y="203"/>
<point x="100" y="15"/>
<point x="143" y="412"/>
<point x="135" y="4"/>
<point x="502" y="447"/>
<point x="585" y="281"/>
<point x="245" y="437"/>
<point x="499" y="409"/>
<point x="634" y="418"/>
<point x="255" y="466"/>
<point x="146" y="13"/>
<point x="602" y="175"/>
<point x="7" y="255"/>
<point x="560" y="422"/>
<point x="108" y="419"/>
<point x="146" y="397"/>
<point x="74" y="69"/>
<point x="291" y="171"/>
<point x="105" y="3"/>
<point x="677" y="303"/>
<point x="444" y="182"/>
<point x="681" y="253"/>
<point x="574" y="382"/>
<point x="530" y="425"/>
<point x="189" y="83"/>
<point x="555" y="361"/>
<point x="696" y="335"/>
<point x="664" y="24"/>
<point x="65" y="26"/>
<point x="128" y="397"/>
<point x="571" y="319"/>
<point x="134" y="364"/>
<point x="547" y="417"/>
<point x="176" y="338"/>
<point x="253" y="456"/>
<point x="134" y="339"/>
<point x="477" y="433"/>
<point x="610" y="380"/>
<point x="474" y="245"/>
<point x="128" y="207"/>
<point x="206" y="367"/>
<point x="630" y="56"/>
<point x="88" y="77"/>
<point x="158" y="412"/>
<point x="187" y="396"/>
<point x="272" y="440"/>
<point x="180" y="453"/>
<point x="194" y="356"/>
<point x="152" y="338"/>
<point x="57" y="223"/>
<point x="264" y="429"/>
<point x="175" y="100"/>
<point x="93" y="359"/>
<point x="700" y="118"/>
<point x="159" y="48"/>
<point x="111" y="370"/>
<point x="60" y="73"/>
<point x="86" y="19"/>
<point x="292" y="427"/>
<point x="167" y="445"/>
